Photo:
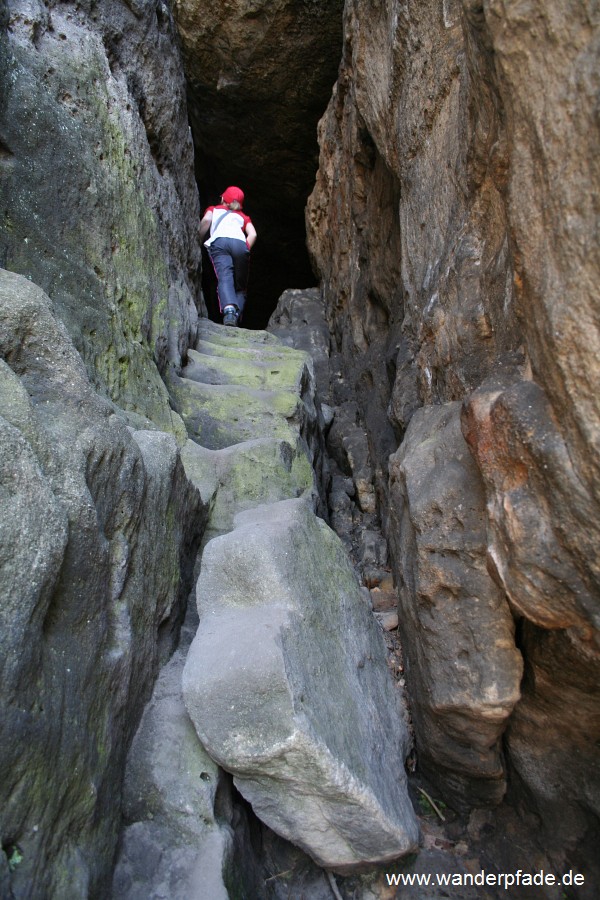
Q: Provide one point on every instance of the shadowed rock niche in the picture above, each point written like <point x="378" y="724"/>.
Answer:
<point x="260" y="75"/>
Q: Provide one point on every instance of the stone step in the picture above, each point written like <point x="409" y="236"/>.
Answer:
<point x="243" y="386"/>
<point x="219" y="415"/>
<point x="286" y="680"/>
<point x="236" y="337"/>
<point x="284" y="372"/>
<point x="250" y="351"/>
<point x="246" y="475"/>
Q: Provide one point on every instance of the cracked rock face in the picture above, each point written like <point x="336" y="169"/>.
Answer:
<point x="287" y="685"/>
<point x="462" y="666"/>
<point x="99" y="529"/>
<point x="458" y="264"/>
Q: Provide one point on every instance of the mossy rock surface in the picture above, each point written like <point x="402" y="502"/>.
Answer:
<point x="218" y="416"/>
<point x="87" y="214"/>
<point x="243" y="386"/>
<point x="235" y="337"/>
<point x="281" y="373"/>
<point x="246" y="475"/>
<point x="246" y="399"/>
<point x="268" y="352"/>
<point x="100" y="530"/>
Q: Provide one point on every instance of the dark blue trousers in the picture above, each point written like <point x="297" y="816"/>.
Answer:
<point x="231" y="261"/>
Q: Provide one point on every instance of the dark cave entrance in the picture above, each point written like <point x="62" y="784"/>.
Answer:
<point x="254" y="118"/>
<point x="279" y="259"/>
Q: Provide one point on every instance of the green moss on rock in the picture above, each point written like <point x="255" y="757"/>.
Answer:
<point x="80" y="197"/>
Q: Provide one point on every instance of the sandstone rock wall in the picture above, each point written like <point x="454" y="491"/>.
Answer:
<point x="99" y="205"/>
<point x="98" y="529"/>
<point x="452" y="225"/>
<point x="460" y="656"/>
<point x="99" y="523"/>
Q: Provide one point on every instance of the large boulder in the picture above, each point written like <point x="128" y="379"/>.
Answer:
<point x="99" y="533"/>
<point x="287" y="685"/>
<point x="462" y="665"/>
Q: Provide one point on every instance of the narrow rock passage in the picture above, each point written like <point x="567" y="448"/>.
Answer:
<point x="286" y="680"/>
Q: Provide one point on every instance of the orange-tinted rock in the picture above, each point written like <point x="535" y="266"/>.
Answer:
<point x="454" y="225"/>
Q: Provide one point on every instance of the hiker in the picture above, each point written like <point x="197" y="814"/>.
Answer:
<point x="232" y="234"/>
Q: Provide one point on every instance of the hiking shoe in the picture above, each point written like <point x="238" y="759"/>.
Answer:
<point x="230" y="315"/>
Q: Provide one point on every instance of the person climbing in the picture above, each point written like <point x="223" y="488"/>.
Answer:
<point x="232" y="235"/>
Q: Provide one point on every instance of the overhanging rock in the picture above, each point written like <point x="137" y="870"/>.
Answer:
<point x="287" y="685"/>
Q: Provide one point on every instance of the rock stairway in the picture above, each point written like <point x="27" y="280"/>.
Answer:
<point x="285" y="680"/>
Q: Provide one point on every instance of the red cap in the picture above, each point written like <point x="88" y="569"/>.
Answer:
<point x="233" y="193"/>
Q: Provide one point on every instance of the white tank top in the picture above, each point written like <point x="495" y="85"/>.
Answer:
<point x="227" y="223"/>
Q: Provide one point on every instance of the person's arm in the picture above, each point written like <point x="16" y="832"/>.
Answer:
<point x="250" y="234"/>
<point x="205" y="225"/>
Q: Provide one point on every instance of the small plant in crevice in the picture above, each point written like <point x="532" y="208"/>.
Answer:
<point x="429" y="806"/>
<point x="14" y="856"/>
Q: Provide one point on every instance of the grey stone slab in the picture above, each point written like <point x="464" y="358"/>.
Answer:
<point x="287" y="685"/>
